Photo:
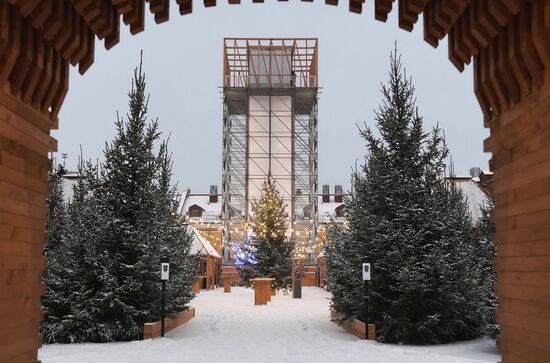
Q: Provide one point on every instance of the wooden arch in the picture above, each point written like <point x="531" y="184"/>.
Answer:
<point x="507" y="40"/>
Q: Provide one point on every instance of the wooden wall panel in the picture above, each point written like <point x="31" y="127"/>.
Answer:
<point x="24" y="147"/>
<point x="520" y="142"/>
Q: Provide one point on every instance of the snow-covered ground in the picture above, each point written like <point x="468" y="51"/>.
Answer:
<point x="229" y="328"/>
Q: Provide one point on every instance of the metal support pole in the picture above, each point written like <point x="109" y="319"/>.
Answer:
<point x="162" y="309"/>
<point x="366" y="283"/>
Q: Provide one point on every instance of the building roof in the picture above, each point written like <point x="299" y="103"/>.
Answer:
<point x="69" y="180"/>
<point x="270" y="62"/>
<point x="212" y="211"/>
<point x="473" y="192"/>
<point x="201" y="244"/>
<point x="327" y="211"/>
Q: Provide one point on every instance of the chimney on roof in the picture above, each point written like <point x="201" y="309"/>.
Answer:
<point x="474" y="172"/>
<point x="326" y="193"/>
<point x="338" y="194"/>
<point x="213" y="194"/>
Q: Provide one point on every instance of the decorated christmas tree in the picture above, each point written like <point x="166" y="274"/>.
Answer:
<point x="269" y="243"/>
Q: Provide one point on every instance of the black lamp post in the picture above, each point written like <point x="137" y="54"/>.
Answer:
<point x="164" y="276"/>
<point x="365" y="268"/>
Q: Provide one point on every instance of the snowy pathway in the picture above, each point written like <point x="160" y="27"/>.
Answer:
<point x="229" y="328"/>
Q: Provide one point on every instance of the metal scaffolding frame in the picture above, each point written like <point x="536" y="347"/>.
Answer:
<point x="270" y="128"/>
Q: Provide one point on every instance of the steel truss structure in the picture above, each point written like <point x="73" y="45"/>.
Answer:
<point x="270" y="128"/>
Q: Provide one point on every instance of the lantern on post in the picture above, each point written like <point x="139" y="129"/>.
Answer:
<point x="366" y="278"/>
<point x="164" y="276"/>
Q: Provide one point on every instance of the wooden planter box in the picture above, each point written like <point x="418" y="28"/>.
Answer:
<point x="355" y="327"/>
<point x="152" y="330"/>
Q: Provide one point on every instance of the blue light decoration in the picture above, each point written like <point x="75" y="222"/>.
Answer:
<point x="245" y="254"/>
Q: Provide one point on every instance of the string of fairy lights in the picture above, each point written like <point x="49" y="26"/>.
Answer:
<point x="213" y="231"/>
<point x="269" y="221"/>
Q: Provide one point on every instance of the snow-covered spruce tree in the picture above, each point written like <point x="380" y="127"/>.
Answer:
<point x="175" y="242"/>
<point x="484" y="259"/>
<point x="450" y="270"/>
<point x="94" y="297"/>
<point x="119" y="224"/>
<point x="273" y="251"/>
<point x="137" y="194"/>
<point x="343" y="279"/>
<point x="83" y="282"/>
<point x="412" y="228"/>
<point x="54" y="300"/>
<point x="57" y="214"/>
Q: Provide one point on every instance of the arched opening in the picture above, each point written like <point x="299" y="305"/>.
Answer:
<point x="507" y="40"/>
<point x="187" y="99"/>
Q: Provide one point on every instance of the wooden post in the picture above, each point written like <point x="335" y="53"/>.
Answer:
<point x="257" y="293"/>
<point x="262" y="290"/>
<point x="226" y="285"/>
<point x="297" y="269"/>
<point x="208" y="271"/>
<point x="372" y="332"/>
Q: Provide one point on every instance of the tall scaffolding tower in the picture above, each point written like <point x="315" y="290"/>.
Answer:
<point x="270" y="91"/>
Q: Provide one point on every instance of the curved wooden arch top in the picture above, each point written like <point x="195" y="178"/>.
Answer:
<point x="508" y="42"/>
<point x="40" y="38"/>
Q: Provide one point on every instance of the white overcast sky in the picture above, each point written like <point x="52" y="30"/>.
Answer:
<point x="183" y="65"/>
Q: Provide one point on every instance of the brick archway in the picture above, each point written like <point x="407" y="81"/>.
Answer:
<point x="507" y="40"/>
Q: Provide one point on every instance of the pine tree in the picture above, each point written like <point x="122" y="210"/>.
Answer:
<point x="82" y="273"/>
<point x="54" y="299"/>
<point x="175" y="242"/>
<point x="484" y="260"/>
<point x="93" y="297"/>
<point x="137" y="193"/>
<point x="343" y="279"/>
<point x="273" y="251"/>
<point x="55" y="203"/>
<point x="121" y="221"/>
<point x="414" y="230"/>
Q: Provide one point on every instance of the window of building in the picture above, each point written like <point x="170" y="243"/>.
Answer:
<point x="340" y="211"/>
<point x="195" y="211"/>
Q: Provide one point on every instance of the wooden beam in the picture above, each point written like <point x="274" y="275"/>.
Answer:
<point x="356" y="6"/>
<point x="381" y="9"/>
<point x="24" y="60"/>
<point x="186" y="6"/>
